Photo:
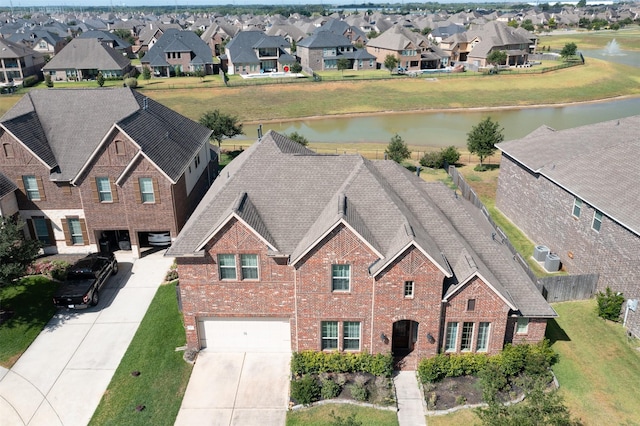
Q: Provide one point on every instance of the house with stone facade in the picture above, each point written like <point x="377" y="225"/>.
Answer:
<point x="575" y="192"/>
<point x="291" y="250"/>
<point x="94" y="167"/>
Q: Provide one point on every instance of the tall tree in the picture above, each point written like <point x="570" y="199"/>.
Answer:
<point x="482" y="138"/>
<point x="223" y="125"/>
<point x="343" y="64"/>
<point x="397" y="150"/>
<point x="497" y="57"/>
<point x="568" y="50"/>
<point x="16" y="252"/>
<point x="390" y="62"/>
<point x="297" y="137"/>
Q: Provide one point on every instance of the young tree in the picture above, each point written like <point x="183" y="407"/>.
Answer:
<point x="223" y="125"/>
<point x="397" y="150"/>
<point x="568" y="50"/>
<point x="100" y="79"/>
<point x="296" y="67"/>
<point x="482" y="138"/>
<point x="497" y="57"/>
<point x="47" y="80"/>
<point x="390" y="62"/>
<point x="16" y="252"/>
<point x="146" y="73"/>
<point x="297" y="137"/>
<point x="343" y="64"/>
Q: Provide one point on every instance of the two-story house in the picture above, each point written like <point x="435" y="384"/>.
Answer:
<point x="176" y="52"/>
<point x="97" y="166"/>
<point x="252" y="52"/>
<point x="552" y="186"/>
<point x="18" y="61"/>
<point x="322" y="50"/>
<point x="291" y="250"/>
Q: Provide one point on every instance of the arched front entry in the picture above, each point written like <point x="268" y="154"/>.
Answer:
<point x="405" y="335"/>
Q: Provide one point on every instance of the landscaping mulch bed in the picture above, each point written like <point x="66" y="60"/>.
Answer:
<point x="380" y="389"/>
<point x="452" y="392"/>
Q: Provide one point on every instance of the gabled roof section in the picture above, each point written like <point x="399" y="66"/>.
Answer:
<point x="88" y="53"/>
<point x="397" y="38"/>
<point x="28" y="130"/>
<point x="12" y="50"/>
<point x="6" y="186"/>
<point x="322" y="39"/>
<point x="174" y="40"/>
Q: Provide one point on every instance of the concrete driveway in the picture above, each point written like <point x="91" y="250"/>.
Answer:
<point x="237" y="389"/>
<point x="62" y="376"/>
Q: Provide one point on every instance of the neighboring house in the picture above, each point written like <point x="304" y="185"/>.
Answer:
<point x="18" y="61"/>
<point x="474" y="46"/>
<point x="354" y="34"/>
<point x="291" y="250"/>
<point x="150" y="34"/>
<point x="114" y="167"/>
<point x="215" y="35"/>
<point x="445" y="30"/>
<point x="251" y="52"/>
<point x="178" y="52"/>
<point x="110" y="40"/>
<point x="83" y="59"/>
<point x="576" y="192"/>
<point x="8" y="201"/>
<point x="413" y="50"/>
<point x="322" y="50"/>
<point x="42" y="41"/>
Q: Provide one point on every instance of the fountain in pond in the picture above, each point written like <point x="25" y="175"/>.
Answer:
<point x="612" y="49"/>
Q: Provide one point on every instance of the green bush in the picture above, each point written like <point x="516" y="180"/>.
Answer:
<point x="330" y="389"/>
<point x="450" y="154"/>
<point x="47" y="80"/>
<point x="30" y="81"/>
<point x="146" y="73"/>
<point x="433" y="369"/>
<point x="432" y="159"/>
<point x="359" y="392"/>
<point x="481" y="168"/>
<point x="313" y="362"/>
<point x="131" y="82"/>
<point x="609" y="304"/>
<point x="305" y="390"/>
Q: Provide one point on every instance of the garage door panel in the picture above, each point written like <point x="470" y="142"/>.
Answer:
<point x="245" y="335"/>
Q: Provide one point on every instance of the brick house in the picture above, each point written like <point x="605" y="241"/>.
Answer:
<point x="290" y="250"/>
<point x="178" y="51"/>
<point x="322" y="50"/>
<point x="251" y="52"/>
<point x="96" y="165"/>
<point x="575" y="191"/>
<point x="18" y="61"/>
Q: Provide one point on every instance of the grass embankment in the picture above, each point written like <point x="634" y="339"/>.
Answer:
<point x="29" y="307"/>
<point x="163" y="373"/>
<point x="627" y="38"/>
<point x="321" y="416"/>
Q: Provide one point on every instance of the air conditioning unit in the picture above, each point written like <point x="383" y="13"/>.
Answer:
<point x="540" y="253"/>
<point x="552" y="262"/>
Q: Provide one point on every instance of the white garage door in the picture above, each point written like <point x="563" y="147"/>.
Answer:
<point x="245" y="334"/>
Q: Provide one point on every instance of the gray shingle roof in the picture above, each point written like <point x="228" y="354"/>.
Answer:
<point x="323" y="39"/>
<point x="6" y="186"/>
<point x="174" y="40"/>
<point x="241" y="46"/>
<point x="299" y="196"/>
<point x="87" y="53"/>
<point x="572" y="158"/>
<point x="66" y="141"/>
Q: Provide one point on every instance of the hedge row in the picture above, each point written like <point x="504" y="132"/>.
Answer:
<point x="513" y="360"/>
<point x="312" y="362"/>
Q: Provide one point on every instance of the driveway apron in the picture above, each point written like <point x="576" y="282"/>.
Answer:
<point x="237" y="389"/>
<point x="62" y="376"/>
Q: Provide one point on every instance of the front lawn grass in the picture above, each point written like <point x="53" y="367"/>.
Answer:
<point x="321" y="415"/>
<point x="29" y="306"/>
<point x="599" y="366"/>
<point x="163" y="373"/>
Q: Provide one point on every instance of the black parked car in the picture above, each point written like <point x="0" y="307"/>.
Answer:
<point x="84" y="280"/>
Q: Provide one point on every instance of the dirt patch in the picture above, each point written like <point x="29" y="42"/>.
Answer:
<point x="452" y="392"/>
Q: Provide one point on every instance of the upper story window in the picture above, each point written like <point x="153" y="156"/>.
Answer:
<point x="340" y="277"/>
<point x="147" y="193"/>
<point x="471" y="305"/>
<point x="120" y="148"/>
<point x="104" y="190"/>
<point x="7" y="149"/>
<point x="597" y="221"/>
<point x="523" y="325"/>
<point x="408" y="289"/>
<point x="227" y="266"/>
<point x="249" y="266"/>
<point x="197" y="161"/>
<point x="577" y="207"/>
<point x="32" y="188"/>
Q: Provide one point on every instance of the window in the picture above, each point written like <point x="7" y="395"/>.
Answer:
<point x="249" y="264"/>
<point x="451" y="337"/>
<point x="597" y="221"/>
<point x="197" y="162"/>
<point x="104" y="189"/>
<point x="467" y="336"/>
<point x="329" y="335"/>
<point x="31" y="187"/>
<point x="408" y="289"/>
<point x="146" y="190"/>
<point x="483" y="337"/>
<point x="227" y="264"/>
<point x="523" y="325"/>
<point x="75" y="231"/>
<point x="120" y="150"/>
<point x="351" y="340"/>
<point x="471" y="305"/>
<point x="340" y="277"/>
<point x="577" y="206"/>
<point x="8" y="150"/>
<point x="41" y="230"/>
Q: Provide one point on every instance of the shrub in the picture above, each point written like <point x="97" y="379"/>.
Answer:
<point x="432" y="159"/>
<point x="305" y="390"/>
<point x="609" y="304"/>
<point x="481" y="168"/>
<point x="330" y="389"/>
<point x="47" y="80"/>
<point x="312" y="362"/>
<point x="30" y="81"/>
<point x="146" y="73"/>
<point x="131" y="82"/>
<point x="433" y="369"/>
<point x="100" y="79"/>
<point x="450" y="154"/>
<point x="359" y="392"/>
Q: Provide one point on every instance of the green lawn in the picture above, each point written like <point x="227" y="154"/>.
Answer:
<point x="321" y="415"/>
<point x="31" y="303"/>
<point x="163" y="373"/>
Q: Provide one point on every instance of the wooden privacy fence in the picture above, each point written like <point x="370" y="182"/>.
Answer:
<point x="560" y="288"/>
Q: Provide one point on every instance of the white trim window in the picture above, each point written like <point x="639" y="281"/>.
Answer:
<point x="340" y="277"/>
<point x="41" y="230"/>
<point x="227" y="266"/>
<point x="483" y="336"/>
<point x="467" y="336"/>
<point x="146" y="190"/>
<point x="523" y="325"/>
<point x="329" y="331"/>
<point x="31" y="187"/>
<point x="597" y="221"/>
<point x="351" y="335"/>
<point x="104" y="190"/>
<point x="451" y="337"/>
<point x="409" y="287"/>
<point x="75" y="231"/>
<point x="249" y="266"/>
<point x="577" y="207"/>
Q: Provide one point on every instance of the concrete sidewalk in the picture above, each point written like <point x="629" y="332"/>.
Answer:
<point x="410" y="408"/>
<point x="62" y="376"/>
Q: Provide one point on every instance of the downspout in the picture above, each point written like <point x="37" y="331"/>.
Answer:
<point x="295" y="305"/>
<point x="373" y="305"/>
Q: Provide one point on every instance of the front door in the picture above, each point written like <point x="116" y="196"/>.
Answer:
<point x="404" y="333"/>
